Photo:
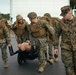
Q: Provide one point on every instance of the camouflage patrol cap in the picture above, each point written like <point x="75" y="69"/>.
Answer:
<point x="19" y="17"/>
<point x="32" y="15"/>
<point x="65" y="10"/>
<point x="48" y="15"/>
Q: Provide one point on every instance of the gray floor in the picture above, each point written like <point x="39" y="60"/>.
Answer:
<point x="30" y="67"/>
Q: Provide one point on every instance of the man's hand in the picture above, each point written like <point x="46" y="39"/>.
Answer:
<point x="9" y="45"/>
<point x="56" y="51"/>
<point x="16" y="24"/>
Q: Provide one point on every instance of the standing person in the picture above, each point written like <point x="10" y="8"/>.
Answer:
<point x="38" y="30"/>
<point x="4" y="41"/>
<point x="19" y="28"/>
<point x="68" y="43"/>
<point x="55" y="23"/>
<point x="49" y="40"/>
<point x="8" y="26"/>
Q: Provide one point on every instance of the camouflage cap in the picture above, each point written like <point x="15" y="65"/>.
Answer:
<point x="65" y="10"/>
<point x="19" y="17"/>
<point x="48" y="15"/>
<point x="32" y="15"/>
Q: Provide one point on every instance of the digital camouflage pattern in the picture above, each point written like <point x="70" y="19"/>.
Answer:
<point x="65" y="10"/>
<point x="21" y="31"/>
<point x="55" y="23"/>
<point x="4" y="40"/>
<point x="4" y="34"/>
<point x="3" y="47"/>
<point x="32" y="15"/>
<point x="6" y="23"/>
<point x="49" y="36"/>
<point x="68" y="44"/>
<point x="52" y="22"/>
<point x="39" y="31"/>
<point x="19" y="17"/>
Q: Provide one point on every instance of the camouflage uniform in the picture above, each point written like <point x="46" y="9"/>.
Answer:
<point x="55" y="23"/>
<point x="38" y="31"/>
<point x="4" y="41"/>
<point x="20" y="29"/>
<point x="49" y="39"/>
<point x="68" y="44"/>
<point x="8" y="26"/>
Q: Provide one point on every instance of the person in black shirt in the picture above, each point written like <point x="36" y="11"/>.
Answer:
<point x="25" y="47"/>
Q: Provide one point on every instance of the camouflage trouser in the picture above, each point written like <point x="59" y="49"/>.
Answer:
<point x="42" y="50"/>
<point x="50" y="49"/>
<point x="20" y="40"/>
<point x="69" y="60"/>
<point x="4" y="51"/>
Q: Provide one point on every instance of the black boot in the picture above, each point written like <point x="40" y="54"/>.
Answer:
<point x="56" y="58"/>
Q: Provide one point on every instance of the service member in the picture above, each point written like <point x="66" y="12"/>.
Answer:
<point x="20" y="29"/>
<point x="38" y="30"/>
<point x="68" y="44"/>
<point x="4" y="41"/>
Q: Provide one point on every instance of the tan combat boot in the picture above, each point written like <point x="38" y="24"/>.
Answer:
<point x="5" y="64"/>
<point x="56" y="59"/>
<point x="41" y="67"/>
<point x="51" y="61"/>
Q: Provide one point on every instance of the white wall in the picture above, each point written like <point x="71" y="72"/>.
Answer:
<point x="74" y="12"/>
<point x="23" y="7"/>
